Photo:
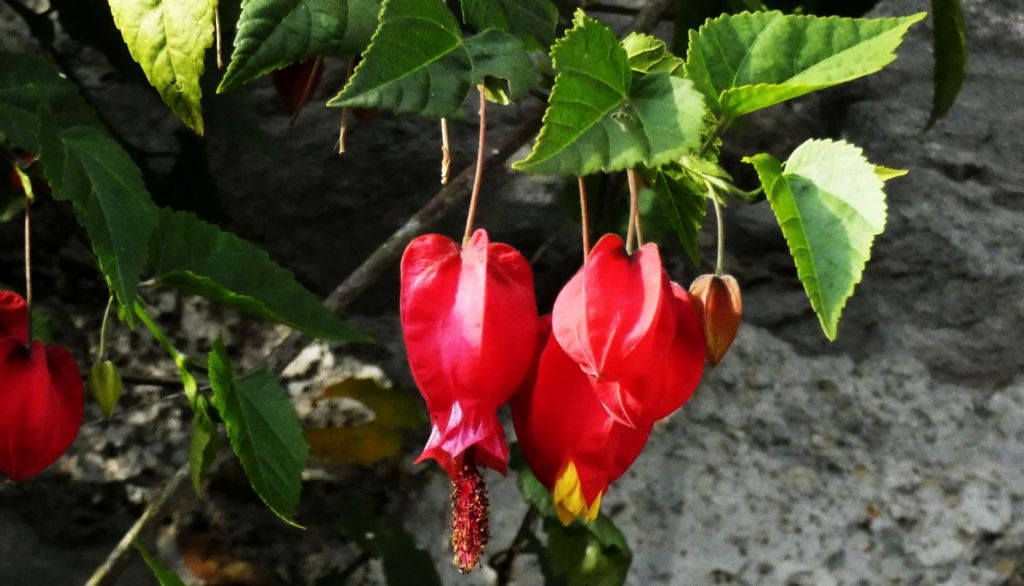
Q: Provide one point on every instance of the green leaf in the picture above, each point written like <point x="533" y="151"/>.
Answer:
<point x="86" y="167"/>
<point x="27" y="84"/>
<point x="684" y="202"/>
<point x="164" y="576"/>
<point x="405" y="564"/>
<point x="593" y="554"/>
<point x="599" y="118"/>
<point x="198" y="258"/>
<point x="204" y="445"/>
<point x="168" y="39"/>
<point x="950" y="56"/>
<point x="886" y="173"/>
<point x="419" y="63"/>
<point x="264" y="432"/>
<point x="273" y="34"/>
<point x="748" y="61"/>
<point x="647" y="54"/>
<point x="533" y="21"/>
<point x="829" y="202"/>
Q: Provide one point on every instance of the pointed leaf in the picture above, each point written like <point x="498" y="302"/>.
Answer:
<point x="600" y="119"/>
<point x="168" y="39"/>
<point x="419" y="63"/>
<point x="264" y="432"/>
<point x="749" y="61"/>
<point x="204" y="444"/>
<point x="830" y="205"/>
<point x="950" y="56"/>
<point x="199" y="258"/>
<point x="273" y="34"/>
<point x="164" y="576"/>
<point x="533" y="21"/>
<point x="649" y="54"/>
<point x="684" y="203"/>
<point x="87" y="168"/>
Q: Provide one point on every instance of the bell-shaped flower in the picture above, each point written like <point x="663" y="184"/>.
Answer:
<point x="469" y="319"/>
<point x="609" y="318"/>
<point x="13" y="316"/>
<point x="671" y="378"/>
<point x="41" y="405"/>
<point x="721" y="309"/>
<point x="571" y="443"/>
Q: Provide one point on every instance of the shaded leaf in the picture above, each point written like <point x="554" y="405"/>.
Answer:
<point x="163" y="575"/>
<point x="264" y="432"/>
<point x="367" y="442"/>
<point x="829" y="202"/>
<point x="599" y="118"/>
<point x="405" y="564"/>
<point x="950" y="56"/>
<point x="748" y="61"/>
<point x="204" y="444"/>
<point x="88" y="168"/>
<point x="273" y="34"/>
<point x="533" y="21"/>
<point x="168" y="39"/>
<point x="419" y="63"/>
<point x="684" y="203"/>
<point x="199" y="258"/>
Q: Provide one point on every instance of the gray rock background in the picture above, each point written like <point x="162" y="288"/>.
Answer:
<point x="893" y="456"/>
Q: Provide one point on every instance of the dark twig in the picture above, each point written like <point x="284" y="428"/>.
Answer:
<point x="503" y="561"/>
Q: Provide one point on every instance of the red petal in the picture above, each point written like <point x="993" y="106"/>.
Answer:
<point x="558" y="419"/>
<point x="41" y="405"/>
<point x="13" y="316"/>
<point x="463" y="427"/>
<point x="470" y="324"/>
<point x="605" y="317"/>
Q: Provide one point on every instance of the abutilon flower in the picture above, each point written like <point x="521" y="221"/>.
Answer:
<point x="469" y="319"/>
<point x="720" y="307"/>
<point x="570" y="441"/>
<point x="41" y="396"/>
<point x="632" y="330"/>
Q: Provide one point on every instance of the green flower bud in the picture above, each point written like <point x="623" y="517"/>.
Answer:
<point x="105" y="385"/>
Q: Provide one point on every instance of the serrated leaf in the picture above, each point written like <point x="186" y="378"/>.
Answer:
<point x="533" y="21"/>
<point x="264" y="432"/>
<point x="168" y="39"/>
<point x="647" y="54"/>
<point x="830" y="205"/>
<point x="419" y="63"/>
<point x="405" y="563"/>
<point x="950" y="56"/>
<point x="599" y="118"/>
<point x="164" y="576"/>
<point x="273" y="34"/>
<point x="684" y="203"/>
<point x="745" y="62"/>
<point x="198" y="258"/>
<point x="86" y="167"/>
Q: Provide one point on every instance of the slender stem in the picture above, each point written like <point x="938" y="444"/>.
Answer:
<point x="634" y="207"/>
<point x="503" y="561"/>
<point x="28" y="262"/>
<point x="346" y="113"/>
<point x="361" y="560"/>
<point x="308" y="89"/>
<point x="720" y="259"/>
<point x="103" y="330"/>
<point x="216" y="28"/>
<point x="446" y="153"/>
<point x="478" y="177"/>
<point x="584" y="220"/>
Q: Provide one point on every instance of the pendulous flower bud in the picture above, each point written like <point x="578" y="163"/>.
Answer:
<point x="719" y="304"/>
<point x="105" y="385"/>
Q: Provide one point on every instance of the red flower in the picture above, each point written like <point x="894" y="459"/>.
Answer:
<point x="574" y="447"/>
<point x="13" y="316"/>
<point x="470" y="324"/>
<point x="41" y="396"/>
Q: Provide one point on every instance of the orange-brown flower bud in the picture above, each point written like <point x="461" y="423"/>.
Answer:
<point x="718" y="301"/>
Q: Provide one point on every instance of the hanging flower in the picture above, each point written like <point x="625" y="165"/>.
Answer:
<point x="571" y="443"/>
<point x="41" y="396"/>
<point x="470" y="325"/>
<point x="721" y="309"/>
